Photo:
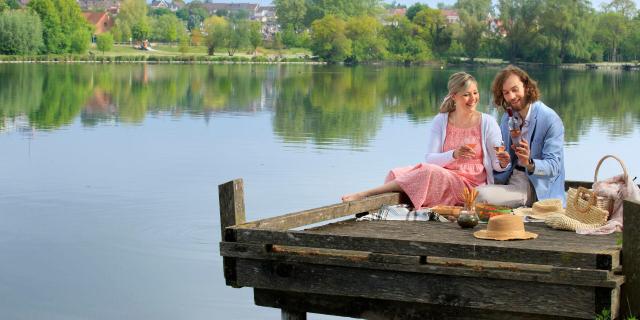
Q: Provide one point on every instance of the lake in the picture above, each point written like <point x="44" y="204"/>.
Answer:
<point x="109" y="173"/>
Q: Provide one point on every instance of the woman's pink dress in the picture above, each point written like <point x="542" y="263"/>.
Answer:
<point x="428" y="185"/>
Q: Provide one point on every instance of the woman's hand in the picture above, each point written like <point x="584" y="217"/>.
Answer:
<point x="464" y="152"/>
<point x="503" y="158"/>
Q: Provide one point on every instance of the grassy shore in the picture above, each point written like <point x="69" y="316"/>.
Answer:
<point x="170" y="54"/>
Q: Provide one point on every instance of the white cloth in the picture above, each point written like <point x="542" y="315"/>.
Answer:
<point x="491" y="137"/>
<point x="617" y="189"/>
<point x="516" y="194"/>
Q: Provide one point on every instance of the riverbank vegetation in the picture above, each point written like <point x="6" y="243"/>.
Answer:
<point x="350" y="31"/>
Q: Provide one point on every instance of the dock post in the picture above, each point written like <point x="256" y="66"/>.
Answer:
<point x="629" y="305"/>
<point x="231" y="197"/>
<point x="293" y="315"/>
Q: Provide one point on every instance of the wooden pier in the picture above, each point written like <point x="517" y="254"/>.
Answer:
<point x="424" y="270"/>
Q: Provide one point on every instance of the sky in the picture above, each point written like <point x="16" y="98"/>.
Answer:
<point x="431" y="3"/>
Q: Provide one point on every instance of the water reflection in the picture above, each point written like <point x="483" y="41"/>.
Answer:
<point x="317" y="104"/>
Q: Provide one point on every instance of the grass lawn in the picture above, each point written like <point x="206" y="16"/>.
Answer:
<point x="174" y="50"/>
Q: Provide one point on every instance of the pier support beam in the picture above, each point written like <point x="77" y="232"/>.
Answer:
<point x="293" y="315"/>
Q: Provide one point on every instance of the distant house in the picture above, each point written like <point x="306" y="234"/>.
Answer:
<point x="102" y="21"/>
<point x="265" y="14"/>
<point x="165" y="4"/>
<point x="397" y="12"/>
<point x="113" y="6"/>
<point x="250" y="8"/>
<point x="451" y="16"/>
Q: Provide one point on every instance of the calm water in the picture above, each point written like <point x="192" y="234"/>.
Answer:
<point x="109" y="174"/>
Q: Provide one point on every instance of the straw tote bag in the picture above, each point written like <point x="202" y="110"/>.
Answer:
<point x="582" y="212"/>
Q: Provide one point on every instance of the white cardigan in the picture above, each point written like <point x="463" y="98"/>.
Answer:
<point x="491" y="137"/>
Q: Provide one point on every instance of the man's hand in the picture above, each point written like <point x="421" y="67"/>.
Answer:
<point x="522" y="152"/>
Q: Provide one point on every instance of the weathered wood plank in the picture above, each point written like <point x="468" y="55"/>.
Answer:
<point x="231" y="197"/>
<point x="429" y="265"/>
<point x="630" y="302"/>
<point x="307" y="217"/>
<point x="561" y="249"/>
<point x="477" y="293"/>
<point x="367" y="308"/>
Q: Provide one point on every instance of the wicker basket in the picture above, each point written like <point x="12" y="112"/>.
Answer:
<point x="606" y="203"/>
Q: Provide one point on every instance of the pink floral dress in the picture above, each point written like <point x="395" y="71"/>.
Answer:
<point x="428" y="185"/>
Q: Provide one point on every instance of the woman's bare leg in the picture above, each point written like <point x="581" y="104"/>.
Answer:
<point x="391" y="186"/>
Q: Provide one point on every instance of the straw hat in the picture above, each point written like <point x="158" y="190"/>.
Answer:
<point x="541" y="209"/>
<point x="505" y="227"/>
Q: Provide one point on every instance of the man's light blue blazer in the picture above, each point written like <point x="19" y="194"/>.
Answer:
<point x="546" y="140"/>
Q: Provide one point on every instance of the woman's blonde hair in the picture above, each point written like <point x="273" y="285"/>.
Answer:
<point x="458" y="82"/>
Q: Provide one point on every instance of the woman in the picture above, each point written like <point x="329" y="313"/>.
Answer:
<point x="460" y="152"/>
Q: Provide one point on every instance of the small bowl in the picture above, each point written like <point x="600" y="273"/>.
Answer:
<point x="467" y="219"/>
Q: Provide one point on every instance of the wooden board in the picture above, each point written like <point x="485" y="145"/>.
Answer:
<point x="429" y="265"/>
<point x="452" y="291"/>
<point x="419" y="238"/>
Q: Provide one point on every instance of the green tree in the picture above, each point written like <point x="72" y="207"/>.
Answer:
<point x="432" y="28"/>
<point x="193" y="14"/>
<point x="160" y="12"/>
<point x="626" y="8"/>
<point x="74" y="26"/>
<point x="317" y="9"/>
<point x="291" y="13"/>
<point x="567" y="32"/>
<point x="414" y="9"/>
<point x="64" y="27"/>
<point x="237" y="36"/>
<point x="255" y="35"/>
<point x="329" y="40"/>
<point x="3" y="5"/>
<point x="132" y="16"/>
<point x="168" y="28"/>
<point x="216" y="28"/>
<point x="141" y="30"/>
<point x="473" y="18"/>
<point x="51" y="29"/>
<point x="20" y="32"/>
<point x="519" y="19"/>
<point x="402" y="42"/>
<point x="367" y="43"/>
<point x="612" y="28"/>
<point x="80" y="41"/>
<point x="630" y="46"/>
<point x="104" y="42"/>
<point x="289" y="37"/>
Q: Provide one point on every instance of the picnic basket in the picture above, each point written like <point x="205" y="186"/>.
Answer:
<point x="602" y="202"/>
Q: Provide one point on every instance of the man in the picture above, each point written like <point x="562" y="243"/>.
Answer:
<point x="535" y="162"/>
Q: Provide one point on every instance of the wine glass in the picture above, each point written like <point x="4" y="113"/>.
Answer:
<point x="499" y="146"/>
<point x="469" y="141"/>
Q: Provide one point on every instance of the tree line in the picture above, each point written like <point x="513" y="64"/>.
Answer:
<point x="546" y="31"/>
<point x="352" y="31"/>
